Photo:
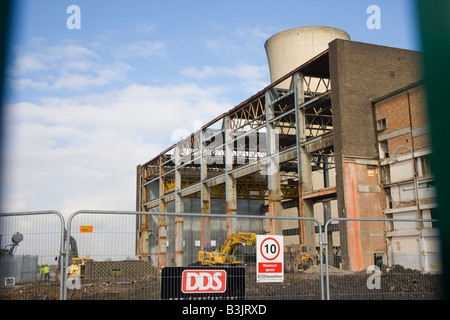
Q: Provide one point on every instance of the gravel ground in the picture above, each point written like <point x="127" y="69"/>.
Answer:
<point x="395" y="283"/>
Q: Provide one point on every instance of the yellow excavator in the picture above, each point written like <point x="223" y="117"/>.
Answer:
<point x="295" y="256"/>
<point x="76" y="264"/>
<point x="227" y="253"/>
<point x="77" y="268"/>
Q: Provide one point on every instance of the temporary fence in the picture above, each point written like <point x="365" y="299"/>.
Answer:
<point x="130" y="255"/>
<point x="385" y="259"/>
<point x="171" y="244"/>
<point x="31" y="245"/>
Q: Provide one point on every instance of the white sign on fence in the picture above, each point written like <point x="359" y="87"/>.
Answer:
<point x="10" y="281"/>
<point x="269" y="258"/>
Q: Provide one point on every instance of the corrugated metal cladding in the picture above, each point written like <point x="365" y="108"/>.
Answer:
<point x="22" y="268"/>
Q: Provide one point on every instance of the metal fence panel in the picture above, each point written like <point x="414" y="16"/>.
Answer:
<point x="385" y="259"/>
<point x="29" y="240"/>
<point x="114" y="269"/>
<point x="373" y="258"/>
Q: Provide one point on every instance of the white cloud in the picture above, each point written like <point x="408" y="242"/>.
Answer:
<point x="241" y="44"/>
<point x="250" y="77"/>
<point x="25" y="63"/>
<point x="143" y="49"/>
<point x="144" y="27"/>
<point x="25" y="83"/>
<point x="77" y="153"/>
<point x="81" y="151"/>
<point x="99" y="77"/>
<point x="65" y="56"/>
<point x="67" y="65"/>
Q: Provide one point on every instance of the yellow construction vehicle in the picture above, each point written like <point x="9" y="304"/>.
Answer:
<point x="77" y="268"/>
<point x="296" y="257"/>
<point x="226" y="254"/>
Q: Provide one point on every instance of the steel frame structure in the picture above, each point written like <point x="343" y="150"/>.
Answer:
<point x="268" y="144"/>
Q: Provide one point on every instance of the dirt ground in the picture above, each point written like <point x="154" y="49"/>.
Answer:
<point x="395" y="283"/>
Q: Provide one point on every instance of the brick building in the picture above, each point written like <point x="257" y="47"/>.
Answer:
<point x="407" y="182"/>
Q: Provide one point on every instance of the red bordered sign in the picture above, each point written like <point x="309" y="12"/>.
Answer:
<point x="269" y="258"/>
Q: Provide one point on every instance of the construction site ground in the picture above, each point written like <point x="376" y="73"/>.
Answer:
<point x="396" y="283"/>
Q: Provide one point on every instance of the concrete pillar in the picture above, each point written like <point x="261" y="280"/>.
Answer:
<point x="327" y="212"/>
<point x="205" y="199"/>
<point x="230" y="182"/>
<point x="162" y="226"/>
<point x="179" y="251"/>
<point x="307" y="234"/>
<point x="141" y="220"/>
<point x="273" y="169"/>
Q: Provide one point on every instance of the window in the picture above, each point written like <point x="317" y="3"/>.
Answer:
<point x="381" y="124"/>
<point x="384" y="149"/>
<point x="386" y="174"/>
<point x="388" y="197"/>
<point x="424" y="166"/>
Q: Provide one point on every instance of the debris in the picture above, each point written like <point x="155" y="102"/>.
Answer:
<point x="397" y="283"/>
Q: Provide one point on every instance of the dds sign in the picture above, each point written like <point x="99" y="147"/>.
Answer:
<point x="204" y="281"/>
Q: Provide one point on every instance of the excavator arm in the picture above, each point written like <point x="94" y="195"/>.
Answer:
<point x="226" y="254"/>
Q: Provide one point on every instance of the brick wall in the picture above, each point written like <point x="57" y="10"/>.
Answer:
<point x="409" y="115"/>
<point x="360" y="72"/>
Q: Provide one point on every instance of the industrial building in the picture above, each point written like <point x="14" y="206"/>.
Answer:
<point x="322" y="140"/>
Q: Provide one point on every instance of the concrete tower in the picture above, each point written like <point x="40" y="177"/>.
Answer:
<point x="291" y="48"/>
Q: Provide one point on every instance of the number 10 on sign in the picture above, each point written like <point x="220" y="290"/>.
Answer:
<point x="269" y="258"/>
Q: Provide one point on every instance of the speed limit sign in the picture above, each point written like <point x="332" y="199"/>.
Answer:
<point x="269" y="258"/>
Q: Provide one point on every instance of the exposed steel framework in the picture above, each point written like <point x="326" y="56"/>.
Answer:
<point x="265" y="148"/>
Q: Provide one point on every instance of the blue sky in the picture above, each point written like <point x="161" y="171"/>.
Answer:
<point x="86" y="106"/>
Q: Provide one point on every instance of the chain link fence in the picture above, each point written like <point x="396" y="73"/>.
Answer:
<point x="107" y="255"/>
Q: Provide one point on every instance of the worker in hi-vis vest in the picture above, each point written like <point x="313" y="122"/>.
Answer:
<point x="45" y="272"/>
